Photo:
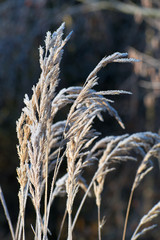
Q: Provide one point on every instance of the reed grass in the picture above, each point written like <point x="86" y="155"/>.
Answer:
<point x="44" y="144"/>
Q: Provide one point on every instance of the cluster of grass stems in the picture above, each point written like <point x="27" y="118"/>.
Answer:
<point x="44" y="144"/>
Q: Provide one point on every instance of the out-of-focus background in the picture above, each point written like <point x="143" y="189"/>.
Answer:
<point x="99" y="28"/>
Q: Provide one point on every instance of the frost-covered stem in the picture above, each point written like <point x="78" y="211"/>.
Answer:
<point x="22" y="217"/>
<point x="23" y="229"/>
<point x="99" y="222"/>
<point x="45" y="200"/>
<point x="20" y="222"/>
<point x="19" y="226"/>
<point x="38" y="232"/>
<point x="19" y="232"/>
<point x="69" y="226"/>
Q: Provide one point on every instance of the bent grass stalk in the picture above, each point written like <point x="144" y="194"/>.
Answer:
<point x="7" y="214"/>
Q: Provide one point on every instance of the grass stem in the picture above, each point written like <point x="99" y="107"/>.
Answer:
<point x="127" y="215"/>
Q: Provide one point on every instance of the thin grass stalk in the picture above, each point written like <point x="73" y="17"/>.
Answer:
<point x="83" y="200"/>
<point x="99" y="222"/>
<point x="39" y="230"/>
<point x="86" y="193"/>
<point x="23" y="229"/>
<point x="69" y="226"/>
<point x="129" y="206"/>
<point x="18" y="226"/>
<point x="127" y="214"/>
<point x="22" y="218"/>
<point x="56" y="170"/>
<point x="19" y="222"/>
<point x="45" y="199"/>
<point x="7" y="214"/>
<point x="20" y="230"/>
<point x="62" y="224"/>
<point x="45" y="202"/>
<point x="33" y="231"/>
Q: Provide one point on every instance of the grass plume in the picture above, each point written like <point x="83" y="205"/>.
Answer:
<point x="45" y="144"/>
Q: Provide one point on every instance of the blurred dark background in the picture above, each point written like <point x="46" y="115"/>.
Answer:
<point x="99" y="28"/>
